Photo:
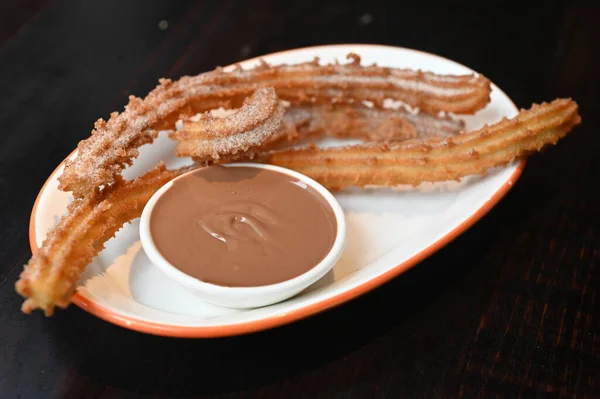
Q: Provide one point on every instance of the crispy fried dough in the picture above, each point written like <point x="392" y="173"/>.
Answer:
<point x="437" y="159"/>
<point x="114" y="144"/>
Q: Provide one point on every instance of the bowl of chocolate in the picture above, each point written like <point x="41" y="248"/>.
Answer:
<point x="243" y="235"/>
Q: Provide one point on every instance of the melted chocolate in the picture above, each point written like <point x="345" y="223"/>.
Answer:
<point x="242" y="226"/>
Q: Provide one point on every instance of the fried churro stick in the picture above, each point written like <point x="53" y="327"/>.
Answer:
<point x="311" y="82"/>
<point x="361" y="122"/>
<point x="255" y="111"/>
<point x="436" y="159"/>
<point x="50" y="277"/>
<point x="114" y="144"/>
<point x="239" y="134"/>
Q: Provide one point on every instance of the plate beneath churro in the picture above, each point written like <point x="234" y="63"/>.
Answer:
<point x="415" y="149"/>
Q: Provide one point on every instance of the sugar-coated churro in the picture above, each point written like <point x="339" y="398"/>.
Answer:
<point x="437" y="159"/>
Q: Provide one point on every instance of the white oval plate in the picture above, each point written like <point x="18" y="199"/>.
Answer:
<point x="389" y="231"/>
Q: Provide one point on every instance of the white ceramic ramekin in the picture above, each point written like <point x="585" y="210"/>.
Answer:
<point x="248" y="297"/>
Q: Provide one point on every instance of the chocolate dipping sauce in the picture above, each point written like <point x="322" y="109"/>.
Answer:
<point x="242" y="226"/>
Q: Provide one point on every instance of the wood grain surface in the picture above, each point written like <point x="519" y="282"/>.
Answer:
<point x="509" y="309"/>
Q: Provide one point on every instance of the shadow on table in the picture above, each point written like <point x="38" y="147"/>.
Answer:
<point x="101" y="355"/>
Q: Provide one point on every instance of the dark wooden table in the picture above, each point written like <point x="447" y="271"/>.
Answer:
<point x="509" y="309"/>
